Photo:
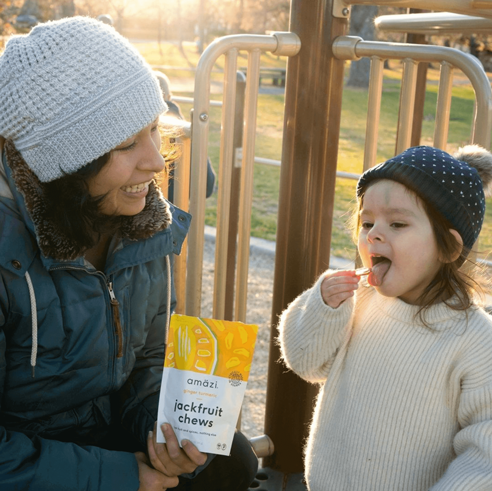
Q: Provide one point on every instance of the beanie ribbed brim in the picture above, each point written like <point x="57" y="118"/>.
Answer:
<point x="129" y="112"/>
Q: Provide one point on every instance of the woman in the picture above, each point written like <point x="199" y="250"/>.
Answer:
<point x="86" y="271"/>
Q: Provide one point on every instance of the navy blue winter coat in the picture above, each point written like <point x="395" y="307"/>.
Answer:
<point x="95" y="376"/>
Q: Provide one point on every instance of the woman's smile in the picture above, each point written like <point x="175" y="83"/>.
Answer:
<point x="137" y="188"/>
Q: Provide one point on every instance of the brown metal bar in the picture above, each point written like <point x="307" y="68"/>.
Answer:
<point x="246" y="193"/>
<point x="225" y="178"/>
<point x="481" y="4"/>
<point x="407" y="104"/>
<point x="418" y="111"/>
<point x="443" y="109"/>
<point x="181" y="199"/>
<point x="234" y="203"/>
<point x="373" y="111"/>
<point x="309" y="158"/>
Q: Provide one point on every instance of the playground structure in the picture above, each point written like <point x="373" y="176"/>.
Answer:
<point x="317" y="46"/>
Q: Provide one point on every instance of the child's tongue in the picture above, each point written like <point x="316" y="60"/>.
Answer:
<point x="378" y="272"/>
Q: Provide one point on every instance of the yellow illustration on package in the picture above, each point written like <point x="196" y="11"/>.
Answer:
<point x="206" y="369"/>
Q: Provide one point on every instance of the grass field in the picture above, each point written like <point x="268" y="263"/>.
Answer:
<point x="352" y="135"/>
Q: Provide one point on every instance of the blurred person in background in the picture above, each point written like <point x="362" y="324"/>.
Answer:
<point x="106" y="19"/>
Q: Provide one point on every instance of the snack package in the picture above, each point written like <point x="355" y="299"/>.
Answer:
<point x="206" y="370"/>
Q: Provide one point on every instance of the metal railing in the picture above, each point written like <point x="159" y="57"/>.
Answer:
<point x="189" y="100"/>
<point x="347" y="48"/>
<point x="181" y="170"/>
<point x="481" y="8"/>
<point x="354" y="48"/>
<point x="434" y="23"/>
<point x="283" y="44"/>
<point x="188" y="287"/>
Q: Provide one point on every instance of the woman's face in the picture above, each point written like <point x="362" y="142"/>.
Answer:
<point x="125" y="179"/>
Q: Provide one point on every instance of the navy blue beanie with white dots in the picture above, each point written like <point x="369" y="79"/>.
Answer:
<point x="453" y="185"/>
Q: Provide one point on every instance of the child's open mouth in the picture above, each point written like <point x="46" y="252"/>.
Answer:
<point x="380" y="266"/>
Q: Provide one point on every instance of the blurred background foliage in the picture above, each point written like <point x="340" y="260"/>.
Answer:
<point x="200" y="21"/>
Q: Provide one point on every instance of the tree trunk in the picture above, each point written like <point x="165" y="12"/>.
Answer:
<point x="179" y="20"/>
<point x="361" y="24"/>
<point x="239" y="16"/>
<point x="67" y="8"/>
<point x="201" y="27"/>
<point x="31" y="7"/>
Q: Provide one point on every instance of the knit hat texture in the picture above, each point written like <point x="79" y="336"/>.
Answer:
<point x="453" y="185"/>
<point x="71" y="91"/>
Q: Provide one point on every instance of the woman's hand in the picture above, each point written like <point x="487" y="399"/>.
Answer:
<point x="337" y="287"/>
<point x="169" y="458"/>
<point x="151" y="479"/>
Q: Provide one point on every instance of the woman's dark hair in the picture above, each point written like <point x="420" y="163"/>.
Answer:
<point x="454" y="283"/>
<point x="74" y="211"/>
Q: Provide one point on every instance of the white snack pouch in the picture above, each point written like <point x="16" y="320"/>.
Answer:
<point x="206" y="370"/>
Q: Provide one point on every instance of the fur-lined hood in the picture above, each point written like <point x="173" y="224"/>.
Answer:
<point x="52" y="241"/>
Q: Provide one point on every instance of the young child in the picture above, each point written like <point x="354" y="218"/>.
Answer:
<point x="404" y="355"/>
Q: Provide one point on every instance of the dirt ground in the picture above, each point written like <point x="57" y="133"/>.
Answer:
<point x="260" y="290"/>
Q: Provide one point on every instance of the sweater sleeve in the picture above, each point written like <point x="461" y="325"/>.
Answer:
<point x="472" y="467"/>
<point x="311" y="333"/>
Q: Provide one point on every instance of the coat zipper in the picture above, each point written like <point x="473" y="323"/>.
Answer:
<point x="114" y="306"/>
<point x="116" y="316"/>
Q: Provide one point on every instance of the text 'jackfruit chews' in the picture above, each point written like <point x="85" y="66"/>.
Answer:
<point x="206" y="370"/>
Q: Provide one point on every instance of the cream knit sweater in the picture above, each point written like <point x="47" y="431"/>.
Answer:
<point x="401" y="407"/>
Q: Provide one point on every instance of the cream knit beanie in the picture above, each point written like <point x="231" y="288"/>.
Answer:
<point x="71" y="91"/>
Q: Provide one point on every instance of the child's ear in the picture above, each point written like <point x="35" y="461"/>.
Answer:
<point x="459" y="245"/>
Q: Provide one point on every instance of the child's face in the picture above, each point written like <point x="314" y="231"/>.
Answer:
<point x="395" y="226"/>
<point x="125" y="179"/>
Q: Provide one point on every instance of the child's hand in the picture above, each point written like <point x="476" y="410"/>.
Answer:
<point x="337" y="287"/>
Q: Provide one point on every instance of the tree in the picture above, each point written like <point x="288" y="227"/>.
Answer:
<point x="91" y="8"/>
<point x="120" y="7"/>
<point x="264" y="15"/>
<point x="45" y="10"/>
<point x="31" y="7"/>
<point x="9" y="9"/>
<point x="67" y="8"/>
<point x="239" y="15"/>
<point x="361" y="24"/>
<point x="253" y="16"/>
<point x="201" y="26"/>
